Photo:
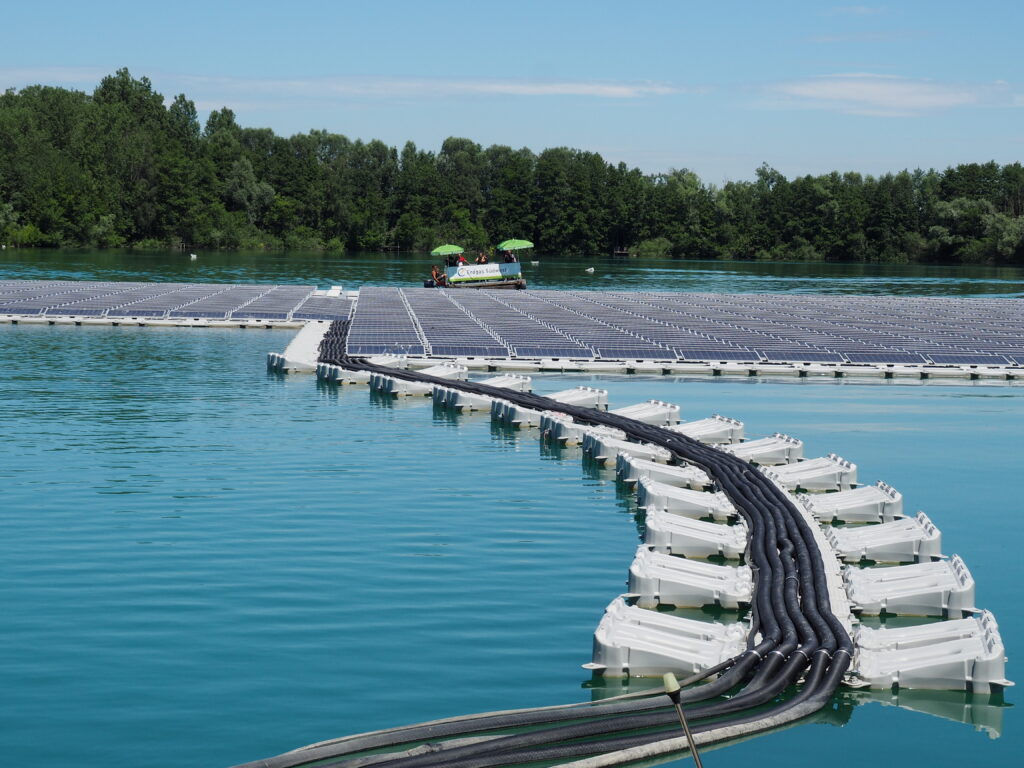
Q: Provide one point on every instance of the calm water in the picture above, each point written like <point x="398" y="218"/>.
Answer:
<point x="357" y="269"/>
<point x="202" y="564"/>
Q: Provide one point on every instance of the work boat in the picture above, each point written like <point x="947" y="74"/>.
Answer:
<point x="497" y="275"/>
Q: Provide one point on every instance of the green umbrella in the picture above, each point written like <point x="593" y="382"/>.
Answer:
<point x="514" y="245"/>
<point x="446" y="250"/>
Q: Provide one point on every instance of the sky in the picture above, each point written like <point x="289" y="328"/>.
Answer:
<point x="715" y="87"/>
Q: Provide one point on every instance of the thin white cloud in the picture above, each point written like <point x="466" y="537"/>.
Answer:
<point x="224" y="89"/>
<point x="384" y="87"/>
<point x="883" y="95"/>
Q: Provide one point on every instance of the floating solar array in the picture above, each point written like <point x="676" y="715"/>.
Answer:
<point x="382" y="323"/>
<point x="275" y="304"/>
<point x="324" y="308"/>
<point x="449" y="330"/>
<point x="153" y="301"/>
<point x="754" y="328"/>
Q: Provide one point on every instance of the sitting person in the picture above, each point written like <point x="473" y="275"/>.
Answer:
<point x="439" y="277"/>
<point x="481" y="258"/>
<point x="509" y="257"/>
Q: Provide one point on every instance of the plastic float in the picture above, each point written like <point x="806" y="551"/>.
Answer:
<point x="635" y="642"/>
<point x="941" y="588"/>
<point x="655" y="496"/>
<point x="717" y="430"/>
<point x="400" y="362"/>
<point x="654" y="412"/>
<point x="563" y="430"/>
<point x="603" y="449"/>
<point x="768" y="451"/>
<point x="907" y="540"/>
<point x="459" y="400"/>
<point x="827" y="473"/>
<point x="656" y="578"/>
<point x="390" y="385"/>
<point x="584" y="397"/>
<point x="960" y="654"/>
<point x="335" y="374"/>
<point x="879" y="503"/>
<point x="684" y="369"/>
<point x="629" y="469"/>
<point x="677" y="535"/>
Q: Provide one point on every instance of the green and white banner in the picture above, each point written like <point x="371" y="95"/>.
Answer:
<point x="477" y="272"/>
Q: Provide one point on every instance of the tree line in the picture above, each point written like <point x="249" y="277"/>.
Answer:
<point x="124" y="167"/>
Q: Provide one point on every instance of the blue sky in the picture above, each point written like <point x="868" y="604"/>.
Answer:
<point x="715" y="87"/>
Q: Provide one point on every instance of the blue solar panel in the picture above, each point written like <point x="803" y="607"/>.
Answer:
<point x="885" y="357"/>
<point x="717" y="354"/>
<point x="633" y="353"/>
<point x="468" y="350"/>
<point x="550" y="351"/>
<point x="967" y="359"/>
<point x="794" y="355"/>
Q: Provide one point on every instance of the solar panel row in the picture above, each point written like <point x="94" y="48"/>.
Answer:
<point x="152" y="300"/>
<point x="720" y="327"/>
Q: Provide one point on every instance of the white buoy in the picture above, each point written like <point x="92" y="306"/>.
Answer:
<point x="535" y="262"/>
<point x="192" y="257"/>
<point x="589" y="269"/>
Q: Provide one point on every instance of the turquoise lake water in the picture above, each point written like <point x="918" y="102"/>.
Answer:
<point x="202" y="564"/>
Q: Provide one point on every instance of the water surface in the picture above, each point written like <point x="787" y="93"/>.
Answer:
<point x="202" y="564"/>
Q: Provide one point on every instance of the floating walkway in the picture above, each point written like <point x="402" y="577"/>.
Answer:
<point x="734" y="524"/>
<point x="581" y="331"/>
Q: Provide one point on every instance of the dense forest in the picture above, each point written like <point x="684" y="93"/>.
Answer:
<point x="124" y="167"/>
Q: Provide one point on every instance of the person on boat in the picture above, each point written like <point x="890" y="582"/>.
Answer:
<point x="439" y="277"/>
<point x="509" y="257"/>
<point x="481" y="258"/>
<point x="462" y="260"/>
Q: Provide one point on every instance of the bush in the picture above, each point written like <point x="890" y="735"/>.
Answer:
<point x="655" y="248"/>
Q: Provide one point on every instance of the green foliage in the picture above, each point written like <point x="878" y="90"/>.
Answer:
<point x="655" y="248"/>
<point x="122" y="167"/>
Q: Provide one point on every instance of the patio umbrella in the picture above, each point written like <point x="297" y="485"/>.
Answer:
<point x="514" y="245"/>
<point x="446" y="250"/>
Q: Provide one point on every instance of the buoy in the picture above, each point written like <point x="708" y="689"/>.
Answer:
<point x="589" y="269"/>
<point x="192" y="257"/>
<point x="535" y="262"/>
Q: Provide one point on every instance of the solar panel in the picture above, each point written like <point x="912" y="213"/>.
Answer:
<point x="550" y="351"/>
<point x="717" y="354"/>
<point x="801" y="356"/>
<point x="967" y="359"/>
<point x="885" y="357"/>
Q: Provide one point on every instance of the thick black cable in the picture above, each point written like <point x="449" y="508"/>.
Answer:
<point x="790" y="608"/>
